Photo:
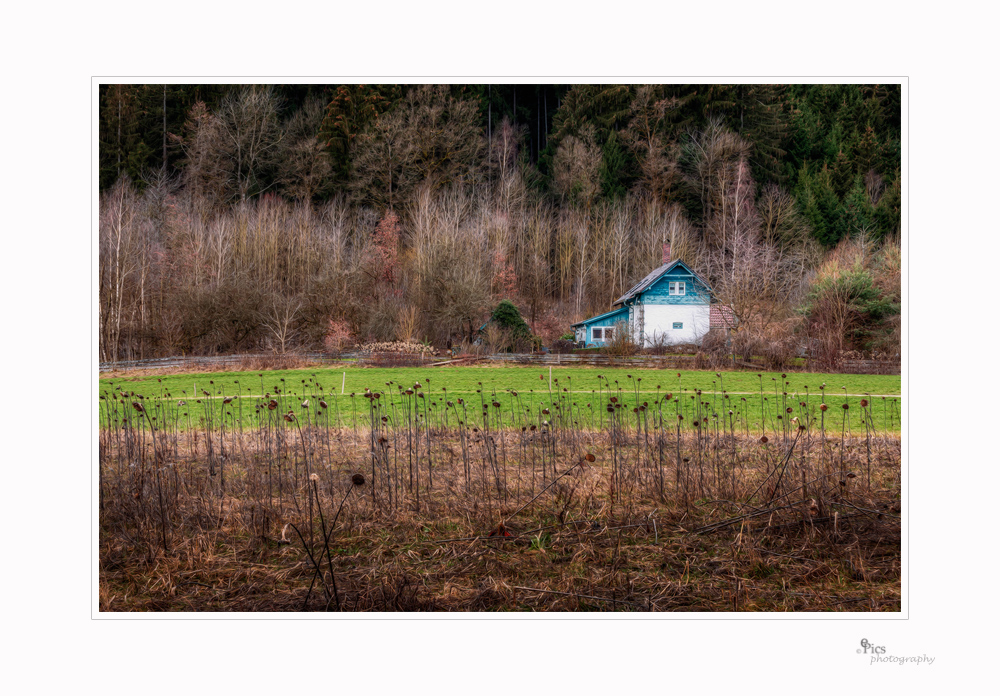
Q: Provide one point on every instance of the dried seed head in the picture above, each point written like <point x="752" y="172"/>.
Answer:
<point x="846" y="407"/>
<point x="864" y="403"/>
<point x="763" y="439"/>
<point x="314" y="477"/>
<point x="590" y="457"/>
<point x="358" y="479"/>
<point x="822" y="407"/>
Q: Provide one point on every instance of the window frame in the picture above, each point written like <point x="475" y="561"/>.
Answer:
<point x="607" y="336"/>
<point x="596" y="333"/>
<point x="678" y="326"/>
<point x="677" y="287"/>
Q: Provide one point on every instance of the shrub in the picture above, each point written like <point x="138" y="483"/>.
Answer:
<point x="846" y="310"/>
<point x="563" y="346"/>
<point x="622" y="343"/>
<point x="338" y="336"/>
<point x="507" y="329"/>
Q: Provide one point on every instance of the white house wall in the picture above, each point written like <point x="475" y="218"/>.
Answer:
<point x="659" y="321"/>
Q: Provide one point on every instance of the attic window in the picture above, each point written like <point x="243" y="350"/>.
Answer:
<point x="677" y="288"/>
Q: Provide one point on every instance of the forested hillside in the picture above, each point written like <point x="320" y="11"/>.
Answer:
<point x="237" y="218"/>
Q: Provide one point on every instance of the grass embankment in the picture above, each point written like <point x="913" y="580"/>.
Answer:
<point x="580" y="394"/>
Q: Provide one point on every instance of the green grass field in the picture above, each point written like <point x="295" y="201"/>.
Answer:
<point x="579" y="394"/>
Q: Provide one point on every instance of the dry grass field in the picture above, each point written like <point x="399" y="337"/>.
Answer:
<point x="651" y="511"/>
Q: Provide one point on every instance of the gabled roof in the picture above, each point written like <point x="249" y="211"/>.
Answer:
<point x="599" y="317"/>
<point x="648" y="281"/>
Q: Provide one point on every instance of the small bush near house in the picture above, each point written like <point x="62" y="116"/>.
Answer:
<point x="621" y="344"/>
<point x="563" y="346"/>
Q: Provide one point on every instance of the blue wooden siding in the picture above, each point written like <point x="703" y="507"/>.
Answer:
<point x="610" y="319"/>
<point x="694" y="291"/>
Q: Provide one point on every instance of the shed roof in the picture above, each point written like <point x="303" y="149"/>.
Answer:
<point x="646" y="282"/>
<point x="599" y="317"/>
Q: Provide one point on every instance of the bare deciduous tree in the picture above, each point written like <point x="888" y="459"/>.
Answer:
<point x="576" y="167"/>
<point x="278" y="317"/>
<point x="304" y="164"/>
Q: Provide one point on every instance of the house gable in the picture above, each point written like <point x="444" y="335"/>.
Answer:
<point x="696" y="292"/>
<point x="674" y="271"/>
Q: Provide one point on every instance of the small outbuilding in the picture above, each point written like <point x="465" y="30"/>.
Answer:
<point x="599" y="330"/>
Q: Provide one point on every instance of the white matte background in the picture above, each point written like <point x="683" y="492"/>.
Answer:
<point x="50" y="52"/>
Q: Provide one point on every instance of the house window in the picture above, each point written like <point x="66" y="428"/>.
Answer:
<point x="678" y="324"/>
<point x="677" y="288"/>
<point x="609" y="333"/>
<point x="597" y="334"/>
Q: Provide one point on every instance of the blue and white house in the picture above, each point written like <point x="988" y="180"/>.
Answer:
<point x="673" y="304"/>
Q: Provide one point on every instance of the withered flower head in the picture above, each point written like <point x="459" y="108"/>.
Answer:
<point x="358" y="479"/>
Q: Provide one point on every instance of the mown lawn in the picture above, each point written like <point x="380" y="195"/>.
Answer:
<point x="582" y="392"/>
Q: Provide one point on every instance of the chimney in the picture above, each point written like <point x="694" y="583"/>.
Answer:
<point x="666" y="253"/>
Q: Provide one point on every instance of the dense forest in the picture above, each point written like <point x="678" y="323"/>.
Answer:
<point x="238" y="218"/>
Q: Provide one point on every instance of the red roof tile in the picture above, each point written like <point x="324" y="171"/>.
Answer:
<point x="721" y="316"/>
